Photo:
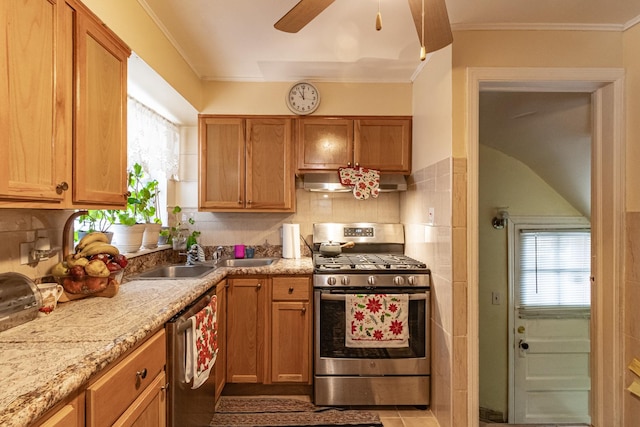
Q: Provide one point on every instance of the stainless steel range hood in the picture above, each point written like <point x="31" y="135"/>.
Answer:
<point x="330" y="182"/>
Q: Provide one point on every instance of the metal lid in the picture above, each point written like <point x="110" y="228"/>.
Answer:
<point x="20" y="300"/>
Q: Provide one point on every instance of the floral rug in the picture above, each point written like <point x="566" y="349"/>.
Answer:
<point x="274" y="412"/>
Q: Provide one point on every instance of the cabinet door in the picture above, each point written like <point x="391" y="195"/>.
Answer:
<point x="269" y="154"/>
<point x="245" y="330"/>
<point x="70" y="415"/>
<point x="100" y="147"/>
<point x="324" y="143"/>
<point x="290" y="341"/>
<point x="222" y="163"/>
<point x="149" y="409"/>
<point x="33" y="91"/>
<point x="221" y="317"/>
<point x="291" y="326"/>
<point x="383" y="144"/>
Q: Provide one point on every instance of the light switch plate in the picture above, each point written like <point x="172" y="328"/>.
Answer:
<point x="25" y="250"/>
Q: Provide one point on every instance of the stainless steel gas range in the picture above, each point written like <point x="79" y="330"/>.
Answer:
<point x="371" y="314"/>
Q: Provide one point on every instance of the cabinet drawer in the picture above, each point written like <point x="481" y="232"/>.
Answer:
<point x="291" y="289"/>
<point x="112" y="394"/>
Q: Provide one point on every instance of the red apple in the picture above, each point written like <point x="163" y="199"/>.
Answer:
<point x="121" y="260"/>
<point x="77" y="272"/>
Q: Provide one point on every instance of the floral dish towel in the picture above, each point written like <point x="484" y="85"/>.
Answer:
<point x="377" y="320"/>
<point x="202" y="344"/>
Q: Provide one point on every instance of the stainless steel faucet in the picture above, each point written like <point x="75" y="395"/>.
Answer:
<point x="217" y="254"/>
<point x="195" y="254"/>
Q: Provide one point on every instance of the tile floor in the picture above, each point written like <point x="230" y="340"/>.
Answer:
<point x="404" y="416"/>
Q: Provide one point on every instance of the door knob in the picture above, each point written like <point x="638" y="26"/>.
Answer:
<point x="523" y="345"/>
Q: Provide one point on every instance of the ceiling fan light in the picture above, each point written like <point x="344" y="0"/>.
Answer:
<point x="378" y="21"/>
<point x="423" y="53"/>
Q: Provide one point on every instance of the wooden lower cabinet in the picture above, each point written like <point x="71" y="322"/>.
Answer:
<point x="291" y="330"/>
<point x="269" y="330"/>
<point x="221" y="318"/>
<point x="132" y="393"/>
<point x="69" y="415"/>
<point x="246" y="320"/>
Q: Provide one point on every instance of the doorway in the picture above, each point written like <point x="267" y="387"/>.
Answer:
<point x="606" y="89"/>
<point x="535" y="169"/>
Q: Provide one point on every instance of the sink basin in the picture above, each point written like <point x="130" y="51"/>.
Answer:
<point x="177" y="272"/>
<point x="245" y="262"/>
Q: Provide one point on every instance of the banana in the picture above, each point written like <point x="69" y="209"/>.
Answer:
<point x="98" y="248"/>
<point x="71" y="260"/>
<point x="95" y="236"/>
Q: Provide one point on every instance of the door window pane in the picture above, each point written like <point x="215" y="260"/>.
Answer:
<point x="555" y="268"/>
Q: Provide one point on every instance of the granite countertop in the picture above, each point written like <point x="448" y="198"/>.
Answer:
<point x="47" y="359"/>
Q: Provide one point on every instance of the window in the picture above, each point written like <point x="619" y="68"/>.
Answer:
<point x="554" y="268"/>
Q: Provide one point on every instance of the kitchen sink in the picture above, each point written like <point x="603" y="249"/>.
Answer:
<point x="180" y="271"/>
<point x="245" y="262"/>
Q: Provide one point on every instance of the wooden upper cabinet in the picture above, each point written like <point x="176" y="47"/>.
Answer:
<point x="246" y="164"/>
<point x="33" y="85"/>
<point x="383" y="144"/>
<point x="328" y="143"/>
<point x="53" y="51"/>
<point x="324" y="143"/>
<point x="100" y="160"/>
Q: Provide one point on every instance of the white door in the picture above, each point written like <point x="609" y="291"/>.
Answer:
<point x="551" y="317"/>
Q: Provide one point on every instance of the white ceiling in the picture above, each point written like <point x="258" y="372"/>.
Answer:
<point x="236" y="41"/>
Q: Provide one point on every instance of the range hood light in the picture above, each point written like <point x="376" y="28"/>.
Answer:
<point x="330" y="182"/>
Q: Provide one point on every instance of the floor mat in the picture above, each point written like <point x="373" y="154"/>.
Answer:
<point x="275" y="412"/>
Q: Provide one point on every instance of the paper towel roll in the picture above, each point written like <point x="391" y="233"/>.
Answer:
<point x="291" y="240"/>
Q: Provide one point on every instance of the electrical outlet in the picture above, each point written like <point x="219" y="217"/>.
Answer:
<point x="25" y="251"/>
<point x="431" y="216"/>
<point x="496" y="298"/>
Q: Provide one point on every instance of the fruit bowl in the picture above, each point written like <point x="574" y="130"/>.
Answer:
<point x="87" y="285"/>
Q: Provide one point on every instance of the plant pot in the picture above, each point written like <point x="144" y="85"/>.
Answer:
<point x="82" y="233"/>
<point x="128" y="238"/>
<point x="151" y="235"/>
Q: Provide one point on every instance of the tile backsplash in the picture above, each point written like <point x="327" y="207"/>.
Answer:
<point x="25" y="225"/>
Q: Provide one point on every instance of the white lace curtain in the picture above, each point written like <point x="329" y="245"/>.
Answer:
<point x="153" y="142"/>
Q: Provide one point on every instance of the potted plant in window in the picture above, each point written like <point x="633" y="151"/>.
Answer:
<point x="131" y="223"/>
<point x="180" y="235"/>
<point x="96" y="220"/>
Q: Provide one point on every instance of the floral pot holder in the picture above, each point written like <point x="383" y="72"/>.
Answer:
<point x="365" y="181"/>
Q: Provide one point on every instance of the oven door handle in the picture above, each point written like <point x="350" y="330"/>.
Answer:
<point x="342" y="297"/>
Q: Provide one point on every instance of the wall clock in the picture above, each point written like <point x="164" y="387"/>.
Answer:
<point x="303" y="98"/>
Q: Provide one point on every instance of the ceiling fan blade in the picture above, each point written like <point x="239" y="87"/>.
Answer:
<point x="301" y="14"/>
<point x="437" y="29"/>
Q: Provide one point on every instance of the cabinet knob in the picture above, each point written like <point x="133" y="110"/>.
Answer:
<point x="249" y="202"/>
<point x="259" y="285"/>
<point x="63" y="186"/>
<point x="291" y="289"/>
<point x="303" y="310"/>
<point x="127" y="195"/>
<point x="240" y="201"/>
<point x="142" y="374"/>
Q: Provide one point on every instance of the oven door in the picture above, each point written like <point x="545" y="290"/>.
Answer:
<point x="333" y="357"/>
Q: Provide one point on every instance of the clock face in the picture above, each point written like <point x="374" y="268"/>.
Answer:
<point x="303" y="98"/>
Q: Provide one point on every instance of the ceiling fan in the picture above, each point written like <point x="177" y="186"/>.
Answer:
<point x="429" y="16"/>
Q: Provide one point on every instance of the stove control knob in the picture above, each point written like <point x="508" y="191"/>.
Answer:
<point x="371" y="280"/>
<point x="412" y="280"/>
<point x="345" y="280"/>
<point x="331" y="281"/>
<point x="398" y="280"/>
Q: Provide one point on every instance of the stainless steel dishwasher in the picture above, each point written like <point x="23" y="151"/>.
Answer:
<point x="187" y="407"/>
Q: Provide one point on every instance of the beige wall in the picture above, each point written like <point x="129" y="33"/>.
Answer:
<point x="335" y="98"/>
<point x="502" y="180"/>
<point x="430" y="239"/>
<point x="130" y="21"/>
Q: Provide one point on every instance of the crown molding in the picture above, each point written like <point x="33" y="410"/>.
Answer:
<point x="538" y="27"/>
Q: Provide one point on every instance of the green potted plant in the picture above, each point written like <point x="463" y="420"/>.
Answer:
<point x="180" y="235"/>
<point x="140" y="213"/>
<point x="96" y="220"/>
